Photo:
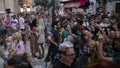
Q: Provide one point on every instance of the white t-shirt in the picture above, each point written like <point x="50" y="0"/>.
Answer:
<point x="14" y="23"/>
<point x="103" y="24"/>
<point x="22" y="23"/>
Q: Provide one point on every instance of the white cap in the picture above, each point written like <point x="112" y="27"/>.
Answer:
<point x="64" y="45"/>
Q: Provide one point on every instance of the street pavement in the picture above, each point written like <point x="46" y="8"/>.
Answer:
<point x="38" y="63"/>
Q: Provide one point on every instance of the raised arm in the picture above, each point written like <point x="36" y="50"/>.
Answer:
<point x="101" y="55"/>
<point x="102" y="32"/>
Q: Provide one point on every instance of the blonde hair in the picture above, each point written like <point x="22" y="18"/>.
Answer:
<point x="17" y="36"/>
<point x="41" y="23"/>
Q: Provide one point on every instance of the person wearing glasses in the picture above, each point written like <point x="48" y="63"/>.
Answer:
<point x="67" y="54"/>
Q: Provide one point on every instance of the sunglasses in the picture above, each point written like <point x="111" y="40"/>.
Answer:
<point x="71" y="55"/>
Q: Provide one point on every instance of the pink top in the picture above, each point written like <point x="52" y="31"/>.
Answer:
<point x="8" y="24"/>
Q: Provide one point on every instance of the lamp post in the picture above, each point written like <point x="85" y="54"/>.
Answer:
<point x="28" y="9"/>
<point x="22" y="10"/>
<point x="4" y="4"/>
<point x="21" y="5"/>
<point x="53" y="11"/>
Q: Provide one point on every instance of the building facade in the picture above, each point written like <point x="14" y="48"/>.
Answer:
<point x="14" y="5"/>
<point x="116" y="6"/>
<point x="111" y="5"/>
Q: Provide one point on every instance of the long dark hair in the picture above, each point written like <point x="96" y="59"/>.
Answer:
<point x="19" y="61"/>
<point x="83" y="40"/>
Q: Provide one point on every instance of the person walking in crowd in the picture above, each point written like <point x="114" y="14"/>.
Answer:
<point x="33" y="41"/>
<point x="75" y="39"/>
<point x="20" y="46"/>
<point x="8" y="24"/>
<point x="14" y="22"/>
<point x="53" y="40"/>
<point x="21" y="23"/>
<point x="67" y="54"/>
<point x="48" y="24"/>
<point x="41" y="36"/>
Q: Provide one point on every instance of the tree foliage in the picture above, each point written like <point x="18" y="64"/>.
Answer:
<point x="42" y="2"/>
<point x="47" y="3"/>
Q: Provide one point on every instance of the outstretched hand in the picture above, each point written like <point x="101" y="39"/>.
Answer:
<point x="115" y="26"/>
<point x="97" y="26"/>
<point x="101" y="38"/>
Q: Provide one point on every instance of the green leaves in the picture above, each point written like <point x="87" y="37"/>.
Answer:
<point x="57" y="4"/>
<point x="47" y="3"/>
<point x="37" y="1"/>
<point x="43" y="2"/>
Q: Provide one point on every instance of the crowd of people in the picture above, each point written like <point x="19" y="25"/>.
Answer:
<point x="75" y="39"/>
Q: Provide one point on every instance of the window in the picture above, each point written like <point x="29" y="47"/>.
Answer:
<point x="117" y="7"/>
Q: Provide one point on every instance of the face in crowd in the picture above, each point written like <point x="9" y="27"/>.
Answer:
<point x="112" y="34"/>
<point x="67" y="53"/>
<point x="68" y="56"/>
<point x="87" y="34"/>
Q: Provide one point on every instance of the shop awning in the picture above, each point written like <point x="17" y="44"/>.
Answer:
<point x="75" y="4"/>
<point x="71" y="4"/>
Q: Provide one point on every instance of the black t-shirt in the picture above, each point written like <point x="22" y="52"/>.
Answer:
<point x="75" y="64"/>
<point x="59" y="64"/>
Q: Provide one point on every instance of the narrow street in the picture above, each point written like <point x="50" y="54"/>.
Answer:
<point x="38" y="63"/>
<point x="71" y="33"/>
